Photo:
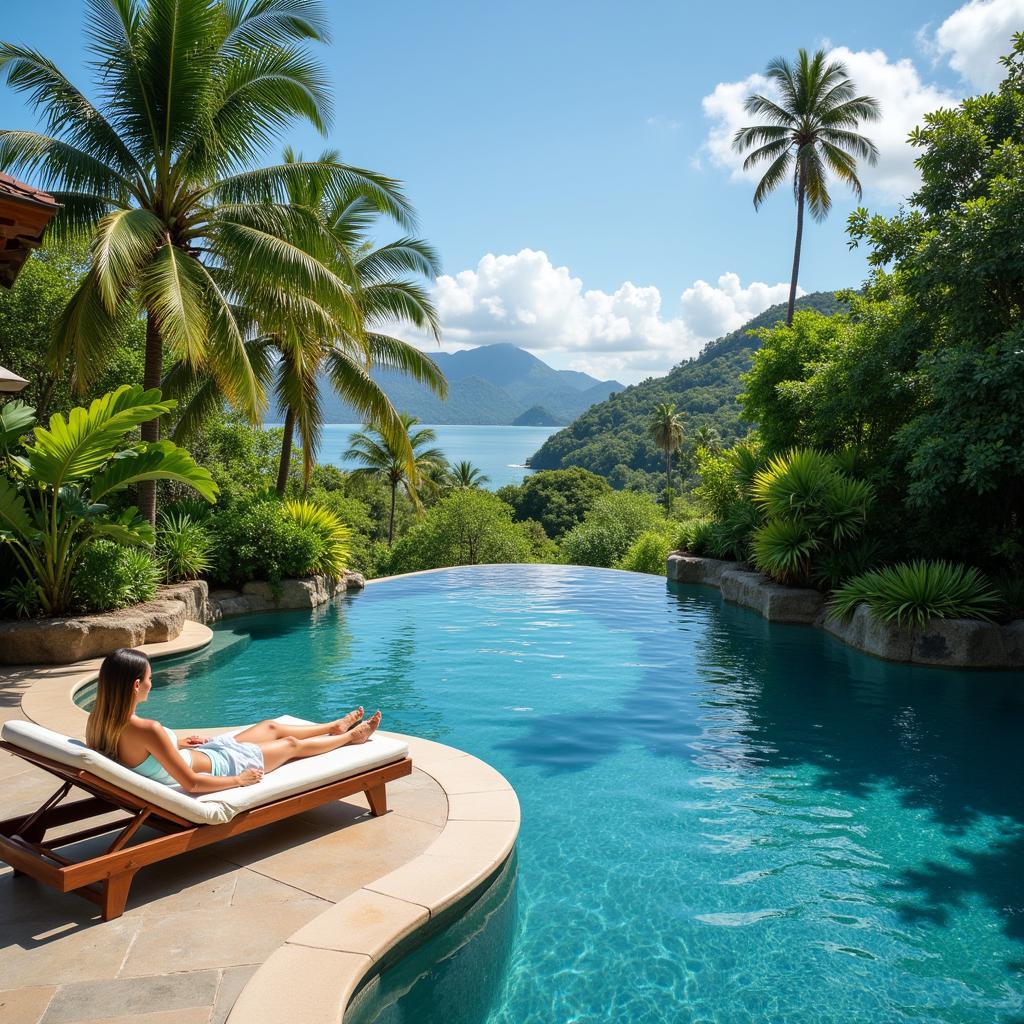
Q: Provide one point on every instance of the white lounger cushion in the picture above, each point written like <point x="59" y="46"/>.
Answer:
<point x="212" y="808"/>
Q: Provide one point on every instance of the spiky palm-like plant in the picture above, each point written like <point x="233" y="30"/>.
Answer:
<point x="163" y="175"/>
<point x="666" y="430"/>
<point x="807" y="131"/>
<point x="377" y="456"/>
<point x="465" y="474"/>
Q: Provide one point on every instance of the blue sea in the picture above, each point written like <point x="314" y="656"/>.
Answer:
<point x="499" y="452"/>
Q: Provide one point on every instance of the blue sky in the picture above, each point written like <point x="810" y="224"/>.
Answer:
<point x="589" y="136"/>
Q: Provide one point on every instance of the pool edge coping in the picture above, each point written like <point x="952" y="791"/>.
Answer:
<point x="312" y="976"/>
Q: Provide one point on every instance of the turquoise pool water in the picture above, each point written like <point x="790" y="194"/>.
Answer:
<point x="723" y="821"/>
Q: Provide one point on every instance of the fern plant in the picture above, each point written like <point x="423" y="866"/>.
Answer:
<point x="183" y="547"/>
<point x="913" y="593"/>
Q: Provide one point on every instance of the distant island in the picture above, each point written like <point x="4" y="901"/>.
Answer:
<point x="499" y="385"/>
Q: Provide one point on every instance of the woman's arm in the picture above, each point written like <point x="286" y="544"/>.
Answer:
<point x="159" y="744"/>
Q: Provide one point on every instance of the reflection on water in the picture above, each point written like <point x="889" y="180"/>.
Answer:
<point x="456" y="975"/>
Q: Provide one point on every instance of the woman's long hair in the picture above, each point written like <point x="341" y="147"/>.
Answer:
<point x="115" y="695"/>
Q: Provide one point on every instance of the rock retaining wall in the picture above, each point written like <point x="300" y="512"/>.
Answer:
<point x="70" y="638"/>
<point x="953" y="643"/>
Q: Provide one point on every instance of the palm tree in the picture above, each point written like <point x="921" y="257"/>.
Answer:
<point x="382" y="298"/>
<point x="666" y="430"/>
<point x="377" y="456"/>
<point x="162" y="175"/>
<point x="707" y="436"/>
<point x="465" y="474"/>
<point x="809" y="131"/>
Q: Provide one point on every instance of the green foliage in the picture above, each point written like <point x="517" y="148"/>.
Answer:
<point x="912" y="593"/>
<point x="611" y="526"/>
<point x="694" y="536"/>
<point x="241" y="458"/>
<point x="811" y="510"/>
<point x="258" y="540"/>
<point x="468" y="527"/>
<point x="109" y="575"/>
<point x="558" y="499"/>
<point x="55" y="499"/>
<point x="28" y="317"/>
<point x="614" y="433"/>
<point x="334" y="535"/>
<point x="648" y="553"/>
<point x="183" y="546"/>
<point x="21" y="599"/>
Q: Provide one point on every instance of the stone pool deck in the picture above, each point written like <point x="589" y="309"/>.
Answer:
<point x="278" y="926"/>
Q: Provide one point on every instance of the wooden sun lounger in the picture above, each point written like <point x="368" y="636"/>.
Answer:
<point x="106" y="878"/>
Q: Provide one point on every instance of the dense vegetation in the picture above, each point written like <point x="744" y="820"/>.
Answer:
<point x="613" y="438"/>
<point x="904" y="415"/>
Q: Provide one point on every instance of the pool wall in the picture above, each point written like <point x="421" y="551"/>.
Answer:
<point x="945" y="643"/>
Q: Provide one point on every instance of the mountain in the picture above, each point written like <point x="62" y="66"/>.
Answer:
<point x="492" y="384"/>
<point x="611" y="437"/>
<point x="536" y="416"/>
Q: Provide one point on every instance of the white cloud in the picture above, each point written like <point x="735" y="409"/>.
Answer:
<point x="904" y="97"/>
<point x="975" y="36"/>
<point x="526" y="300"/>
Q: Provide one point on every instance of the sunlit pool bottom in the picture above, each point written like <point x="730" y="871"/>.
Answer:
<point x="723" y="821"/>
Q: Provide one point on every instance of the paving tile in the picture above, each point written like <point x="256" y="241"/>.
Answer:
<point x="254" y="889"/>
<point x="122" y="997"/>
<point x="365" y="922"/>
<point x="196" y="1015"/>
<point x="194" y="881"/>
<point x="336" y="864"/>
<point x="473" y="839"/>
<point x="25" y="1005"/>
<point x="467" y="775"/>
<point x="232" y="981"/>
<point x="33" y="953"/>
<point x="196" y="940"/>
<point x="502" y="806"/>
<point x="298" y="983"/>
<point x="434" y="882"/>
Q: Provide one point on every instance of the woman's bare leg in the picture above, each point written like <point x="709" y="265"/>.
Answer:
<point x="290" y="748"/>
<point x="268" y="731"/>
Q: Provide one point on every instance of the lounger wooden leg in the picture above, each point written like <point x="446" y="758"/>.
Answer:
<point x="115" y="894"/>
<point x="378" y="800"/>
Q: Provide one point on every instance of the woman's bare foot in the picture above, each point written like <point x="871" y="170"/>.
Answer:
<point x="362" y="732"/>
<point x="344" y="724"/>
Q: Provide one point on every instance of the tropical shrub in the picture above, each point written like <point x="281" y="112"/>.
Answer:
<point x="55" y="499"/>
<point x="258" y="540"/>
<point x="468" y="527"/>
<point x="912" y="593"/>
<point x="110" y="575"/>
<point x="21" y="599"/>
<point x="811" y="509"/>
<point x="614" y="522"/>
<point x="694" y="536"/>
<point x="183" y="546"/>
<point x="558" y="499"/>
<point x="334" y="536"/>
<point x="648" y="553"/>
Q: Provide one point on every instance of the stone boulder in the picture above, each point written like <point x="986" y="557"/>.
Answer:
<point x="65" y="639"/>
<point x="684" y="568"/>
<point x="193" y="594"/>
<point x="863" y="631"/>
<point x="772" y="600"/>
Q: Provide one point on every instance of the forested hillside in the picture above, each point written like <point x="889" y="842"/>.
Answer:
<point x="611" y="438"/>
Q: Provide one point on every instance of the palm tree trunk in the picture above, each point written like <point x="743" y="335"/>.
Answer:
<point x="284" y="464"/>
<point x="152" y="375"/>
<point x="391" y="514"/>
<point x="668" y="468"/>
<point x="796" y="249"/>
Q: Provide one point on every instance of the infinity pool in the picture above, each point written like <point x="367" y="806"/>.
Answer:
<point x="723" y="821"/>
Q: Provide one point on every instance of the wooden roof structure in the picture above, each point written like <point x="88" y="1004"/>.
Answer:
<point x="24" y="214"/>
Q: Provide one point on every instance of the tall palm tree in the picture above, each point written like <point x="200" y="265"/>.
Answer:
<point x="707" y="436"/>
<point x="465" y="475"/>
<point x="377" y="456"/>
<point x="666" y="430"/>
<point x="382" y="299"/>
<point x="808" y="131"/>
<point x="163" y="176"/>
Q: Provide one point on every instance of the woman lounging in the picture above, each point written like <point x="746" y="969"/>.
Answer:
<point x="199" y="765"/>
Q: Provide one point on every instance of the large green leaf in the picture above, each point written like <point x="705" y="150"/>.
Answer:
<point x="162" y="460"/>
<point x="16" y="418"/>
<point x="77" y="448"/>
<point x="128" y="528"/>
<point x="14" y="515"/>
